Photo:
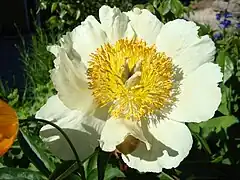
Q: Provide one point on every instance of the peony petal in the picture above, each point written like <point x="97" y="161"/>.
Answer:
<point x="145" y="24"/>
<point x="114" y="23"/>
<point x="8" y="127"/>
<point x="54" y="49"/>
<point x="179" y="40"/>
<point x="116" y="130"/>
<point x="83" y="131"/>
<point x="70" y="81"/>
<point x="171" y="142"/>
<point x="87" y="38"/>
<point x="199" y="95"/>
<point x="67" y="46"/>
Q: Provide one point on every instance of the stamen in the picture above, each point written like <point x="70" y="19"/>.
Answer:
<point x="131" y="77"/>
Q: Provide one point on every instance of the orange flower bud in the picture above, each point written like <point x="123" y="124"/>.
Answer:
<point x="8" y="127"/>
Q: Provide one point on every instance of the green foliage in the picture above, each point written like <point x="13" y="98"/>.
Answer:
<point x="64" y="15"/>
<point x="34" y="148"/>
<point x="30" y="101"/>
<point x="166" y="10"/>
<point x="20" y="174"/>
<point x="37" y="60"/>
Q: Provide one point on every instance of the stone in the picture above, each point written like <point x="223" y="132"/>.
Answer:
<point x="234" y="7"/>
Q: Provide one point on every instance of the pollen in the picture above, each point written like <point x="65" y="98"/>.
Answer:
<point x="132" y="78"/>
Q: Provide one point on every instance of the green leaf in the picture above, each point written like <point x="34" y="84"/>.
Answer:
<point x="216" y="124"/>
<point x="225" y="106"/>
<point x="140" y="6"/>
<point x="165" y="7"/>
<point x="228" y="69"/>
<point x="204" y="29"/>
<point x="78" y="14"/>
<point x="194" y="127"/>
<point x="62" y="14"/>
<point x="151" y="8"/>
<point x="226" y="65"/>
<point x="98" y="162"/>
<point x="91" y="163"/>
<point x="54" y="7"/>
<point x="64" y="170"/>
<point x="52" y="20"/>
<point x="203" y="142"/>
<point x="176" y="8"/>
<point x="30" y="144"/>
<point x="112" y="172"/>
<point x="164" y="176"/>
<point x="221" y="59"/>
<point x="20" y="174"/>
<point x="93" y="175"/>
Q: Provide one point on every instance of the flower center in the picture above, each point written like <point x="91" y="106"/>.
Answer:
<point x="131" y="77"/>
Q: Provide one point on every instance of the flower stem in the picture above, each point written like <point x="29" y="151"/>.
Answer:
<point x="81" y="168"/>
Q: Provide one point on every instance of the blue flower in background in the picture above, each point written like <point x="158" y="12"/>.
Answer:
<point x="228" y="15"/>
<point x="217" y="36"/>
<point x="218" y="16"/>
<point x="225" y="23"/>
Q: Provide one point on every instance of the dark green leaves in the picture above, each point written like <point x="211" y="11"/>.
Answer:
<point x="113" y="172"/>
<point x="167" y="9"/>
<point x="20" y="174"/>
<point x="173" y="6"/>
<point x="96" y="167"/>
<point x="213" y="125"/>
<point x="31" y="146"/>
<point x="226" y="65"/>
<point x="66" y="170"/>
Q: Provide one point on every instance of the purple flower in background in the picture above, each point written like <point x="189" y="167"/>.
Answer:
<point x="225" y="23"/>
<point x="238" y="25"/>
<point x="218" y="16"/>
<point x="217" y="36"/>
<point x="228" y="15"/>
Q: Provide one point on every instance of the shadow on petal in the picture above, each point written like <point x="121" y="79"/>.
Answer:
<point x="157" y="150"/>
<point x="84" y="142"/>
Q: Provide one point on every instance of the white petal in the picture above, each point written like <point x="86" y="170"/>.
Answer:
<point x="83" y="131"/>
<point x="199" y="95"/>
<point x="171" y="142"/>
<point x="116" y="130"/>
<point x="70" y="81"/>
<point x="145" y="24"/>
<point x="67" y="46"/>
<point x="179" y="40"/>
<point x="113" y="22"/>
<point x="54" y="49"/>
<point x="87" y="38"/>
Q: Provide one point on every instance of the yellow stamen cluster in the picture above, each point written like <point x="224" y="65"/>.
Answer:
<point x="131" y="77"/>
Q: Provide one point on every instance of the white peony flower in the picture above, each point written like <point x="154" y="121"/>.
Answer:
<point x="131" y="82"/>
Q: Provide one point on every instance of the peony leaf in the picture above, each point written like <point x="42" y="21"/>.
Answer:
<point x="65" y="171"/>
<point x="165" y="176"/>
<point x="228" y="69"/>
<point x="216" y="124"/>
<point x="113" y="172"/>
<point x="30" y="144"/>
<point x="20" y="174"/>
<point x="226" y="65"/>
